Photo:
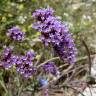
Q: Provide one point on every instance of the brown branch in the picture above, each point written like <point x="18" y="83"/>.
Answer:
<point x="89" y="57"/>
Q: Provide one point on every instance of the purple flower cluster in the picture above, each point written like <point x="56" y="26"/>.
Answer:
<point x="8" y="59"/>
<point x="16" y="34"/>
<point x="55" y="33"/>
<point x="24" y="64"/>
<point x="50" y="67"/>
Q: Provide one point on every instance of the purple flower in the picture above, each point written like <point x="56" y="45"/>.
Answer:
<point x="42" y="14"/>
<point x="24" y="64"/>
<point x="56" y="34"/>
<point x="8" y="59"/>
<point x="6" y="65"/>
<point x="50" y="67"/>
<point x="66" y="48"/>
<point x="16" y="34"/>
<point x="9" y="62"/>
<point x="6" y="53"/>
<point x="30" y="55"/>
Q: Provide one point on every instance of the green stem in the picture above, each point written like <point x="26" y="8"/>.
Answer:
<point x="3" y="85"/>
<point x="20" y="90"/>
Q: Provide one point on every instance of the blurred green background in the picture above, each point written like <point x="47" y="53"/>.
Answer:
<point x="80" y="15"/>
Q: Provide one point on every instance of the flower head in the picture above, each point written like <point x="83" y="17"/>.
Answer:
<point x="50" y="67"/>
<point x="25" y="65"/>
<point x="41" y="15"/>
<point x="16" y="34"/>
<point x="6" y="54"/>
<point x="30" y="55"/>
<point x="8" y="59"/>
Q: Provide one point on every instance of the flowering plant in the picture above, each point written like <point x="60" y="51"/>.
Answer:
<point x="53" y="34"/>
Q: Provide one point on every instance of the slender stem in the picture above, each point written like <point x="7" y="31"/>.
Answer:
<point x="21" y="85"/>
<point x="47" y="61"/>
<point x="89" y="57"/>
<point x="3" y="85"/>
<point x="37" y="62"/>
<point x="20" y="90"/>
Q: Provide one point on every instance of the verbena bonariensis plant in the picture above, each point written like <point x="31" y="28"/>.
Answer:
<point x="54" y="34"/>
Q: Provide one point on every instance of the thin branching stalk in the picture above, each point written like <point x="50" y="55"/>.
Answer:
<point x="47" y="61"/>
